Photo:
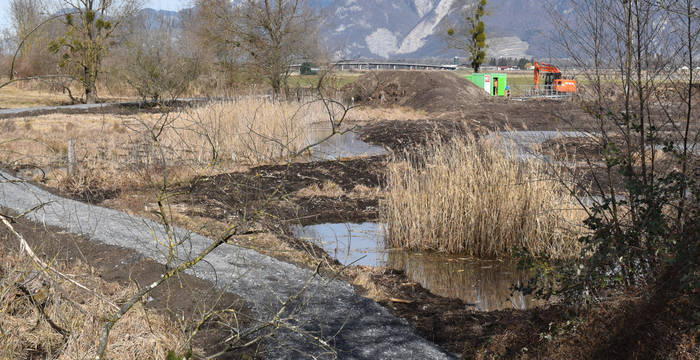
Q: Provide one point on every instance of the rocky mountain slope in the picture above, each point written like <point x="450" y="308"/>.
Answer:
<point x="411" y="28"/>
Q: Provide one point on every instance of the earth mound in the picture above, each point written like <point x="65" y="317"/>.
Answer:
<point x="431" y="91"/>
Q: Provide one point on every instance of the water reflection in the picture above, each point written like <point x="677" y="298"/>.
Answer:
<point x="356" y="244"/>
<point x="339" y="146"/>
<point x="486" y="284"/>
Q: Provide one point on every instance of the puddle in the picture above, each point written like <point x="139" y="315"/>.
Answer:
<point x="356" y="244"/>
<point x="521" y="143"/>
<point x="485" y="284"/>
<point x="339" y="146"/>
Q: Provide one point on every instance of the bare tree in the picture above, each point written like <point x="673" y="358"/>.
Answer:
<point x="639" y="62"/>
<point x="156" y="62"/>
<point x="90" y="27"/>
<point x="273" y="34"/>
<point x="26" y="15"/>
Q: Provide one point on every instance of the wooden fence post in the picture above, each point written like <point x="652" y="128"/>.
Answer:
<point x="71" y="156"/>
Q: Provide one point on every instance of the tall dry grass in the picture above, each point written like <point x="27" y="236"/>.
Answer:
<point x="117" y="151"/>
<point x="249" y="130"/>
<point x="27" y="334"/>
<point x="469" y="197"/>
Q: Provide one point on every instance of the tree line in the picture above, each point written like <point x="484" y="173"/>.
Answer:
<point x="85" y="43"/>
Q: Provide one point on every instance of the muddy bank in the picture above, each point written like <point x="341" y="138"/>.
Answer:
<point x="487" y="115"/>
<point x="656" y="324"/>
<point x="183" y="298"/>
<point x="403" y="135"/>
<point x="303" y="193"/>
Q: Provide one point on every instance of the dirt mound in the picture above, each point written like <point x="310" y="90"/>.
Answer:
<point x="432" y="91"/>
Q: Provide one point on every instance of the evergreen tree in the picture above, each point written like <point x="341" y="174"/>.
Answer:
<point x="471" y="38"/>
<point x="89" y="29"/>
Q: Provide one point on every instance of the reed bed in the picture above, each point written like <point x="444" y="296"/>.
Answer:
<point x="248" y="130"/>
<point x="470" y="197"/>
<point x="118" y="151"/>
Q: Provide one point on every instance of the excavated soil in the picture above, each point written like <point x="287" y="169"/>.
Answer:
<point x="403" y="135"/>
<point x="431" y="91"/>
<point x="275" y="190"/>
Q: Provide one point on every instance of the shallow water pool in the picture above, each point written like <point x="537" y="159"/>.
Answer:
<point x="483" y="283"/>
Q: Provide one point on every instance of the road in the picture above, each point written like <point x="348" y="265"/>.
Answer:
<point x="106" y="107"/>
<point x="358" y="328"/>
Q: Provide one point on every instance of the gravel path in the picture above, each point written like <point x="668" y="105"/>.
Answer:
<point x="358" y="328"/>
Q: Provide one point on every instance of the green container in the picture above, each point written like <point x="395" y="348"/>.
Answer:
<point x="494" y="84"/>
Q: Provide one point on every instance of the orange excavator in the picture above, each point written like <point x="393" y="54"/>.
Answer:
<point x="553" y="79"/>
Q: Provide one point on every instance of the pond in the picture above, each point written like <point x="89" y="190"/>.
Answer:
<point x="347" y="144"/>
<point x="483" y="283"/>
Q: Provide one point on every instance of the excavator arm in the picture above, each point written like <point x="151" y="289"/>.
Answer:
<point x="545" y="68"/>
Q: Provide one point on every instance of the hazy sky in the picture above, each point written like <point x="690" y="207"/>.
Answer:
<point x="168" y="4"/>
<point x="154" y="4"/>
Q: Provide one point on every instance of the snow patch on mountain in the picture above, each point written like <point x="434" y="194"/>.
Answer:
<point x="423" y="7"/>
<point x="417" y="37"/>
<point x="382" y="42"/>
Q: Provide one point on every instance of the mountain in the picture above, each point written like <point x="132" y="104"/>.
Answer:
<point x="410" y="28"/>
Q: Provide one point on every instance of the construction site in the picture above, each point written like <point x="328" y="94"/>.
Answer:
<point x="219" y="200"/>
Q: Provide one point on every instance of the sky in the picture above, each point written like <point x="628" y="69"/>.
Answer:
<point x="166" y="4"/>
<point x="153" y="4"/>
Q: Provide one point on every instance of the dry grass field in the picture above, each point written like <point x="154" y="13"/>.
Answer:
<point x="114" y="151"/>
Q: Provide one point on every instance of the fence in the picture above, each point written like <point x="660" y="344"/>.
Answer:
<point x="544" y="91"/>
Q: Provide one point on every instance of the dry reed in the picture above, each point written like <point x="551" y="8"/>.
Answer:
<point x="249" y="130"/>
<point x="116" y="152"/>
<point x="141" y="334"/>
<point x="469" y="197"/>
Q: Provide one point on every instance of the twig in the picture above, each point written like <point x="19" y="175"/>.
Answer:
<point x="44" y="267"/>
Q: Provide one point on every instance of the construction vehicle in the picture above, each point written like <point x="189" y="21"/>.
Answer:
<point x="553" y="81"/>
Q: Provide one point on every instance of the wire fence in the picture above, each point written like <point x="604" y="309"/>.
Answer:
<point x="544" y="91"/>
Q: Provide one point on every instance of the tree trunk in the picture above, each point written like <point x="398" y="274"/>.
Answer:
<point x="90" y="88"/>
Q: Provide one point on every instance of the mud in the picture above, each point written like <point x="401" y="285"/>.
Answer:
<point x="488" y="115"/>
<point x="431" y="91"/>
<point x="627" y="326"/>
<point x="124" y="108"/>
<point x="272" y="189"/>
<point x="183" y="298"/>
<point x="403" y="135"/>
